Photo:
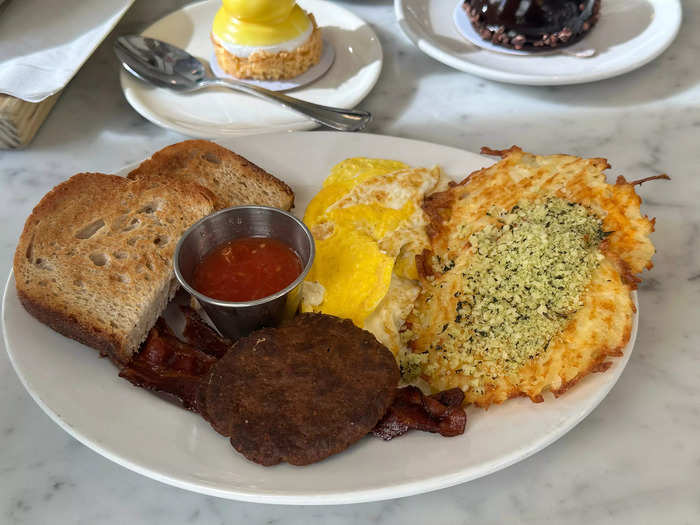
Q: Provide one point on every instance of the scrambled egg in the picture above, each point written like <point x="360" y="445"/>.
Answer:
<point x="368" y="225"/>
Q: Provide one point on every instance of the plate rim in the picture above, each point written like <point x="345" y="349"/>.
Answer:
<point x="405" y="489"/>
<point x="466" y="66"/>
<point x="303" y="124"/>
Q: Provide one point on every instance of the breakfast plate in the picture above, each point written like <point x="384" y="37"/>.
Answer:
<point x="154" y="437"/>
<point x="629" y="34"/>
<point x="220" y="112"/>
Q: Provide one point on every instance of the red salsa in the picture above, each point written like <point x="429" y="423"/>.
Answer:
<point x="246" y="269"/>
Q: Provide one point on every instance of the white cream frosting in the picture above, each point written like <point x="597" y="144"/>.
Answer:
<point x="246" y="51"/>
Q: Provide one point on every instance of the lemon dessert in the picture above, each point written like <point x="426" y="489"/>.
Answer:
<point x="265" y="39"/>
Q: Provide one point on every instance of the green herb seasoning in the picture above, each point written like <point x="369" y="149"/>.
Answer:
<point x="521" y="286"/>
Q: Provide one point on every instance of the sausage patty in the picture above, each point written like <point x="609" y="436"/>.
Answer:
<point x="301" y="392"/>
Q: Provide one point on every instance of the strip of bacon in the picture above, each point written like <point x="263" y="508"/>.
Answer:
<point x="202" y="336"/>
<point x="441" y="413"/>
<point x="169" y="365"/>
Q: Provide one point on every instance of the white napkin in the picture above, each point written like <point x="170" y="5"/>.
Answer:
<point x="44" y="43"/>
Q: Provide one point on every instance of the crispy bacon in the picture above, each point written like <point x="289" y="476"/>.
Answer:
<point x="169" y="365"/>
<point x="202" y="336"/>
<point x="441" y="413"/>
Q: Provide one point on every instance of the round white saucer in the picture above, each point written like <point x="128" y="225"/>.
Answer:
<point x="629" y="34"/>
<point x="314" y="73"/>
<point x="220" y="112"/>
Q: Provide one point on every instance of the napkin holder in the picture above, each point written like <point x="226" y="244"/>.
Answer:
<point x="20" y="120"/>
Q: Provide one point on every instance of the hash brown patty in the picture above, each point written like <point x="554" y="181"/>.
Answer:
<point x="599" y="326"/>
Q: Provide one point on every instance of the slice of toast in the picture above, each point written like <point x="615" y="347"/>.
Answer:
<point x="94" y="261"/>
<point x="233" y="179"/>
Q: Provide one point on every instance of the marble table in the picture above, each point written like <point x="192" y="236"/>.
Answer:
<point x="635" y="459"/>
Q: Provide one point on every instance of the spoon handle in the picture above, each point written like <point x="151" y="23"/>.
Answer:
<point x="336" y="118"/>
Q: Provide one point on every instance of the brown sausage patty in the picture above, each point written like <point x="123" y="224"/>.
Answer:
<point x="300" y="392"/>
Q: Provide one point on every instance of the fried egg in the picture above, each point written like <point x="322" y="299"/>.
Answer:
<point x="368" y="224"/>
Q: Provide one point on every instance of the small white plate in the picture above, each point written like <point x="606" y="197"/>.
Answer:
<point x="141" y="431"/>
<point x="220" y="112"/>
<point x="629" y="34"/>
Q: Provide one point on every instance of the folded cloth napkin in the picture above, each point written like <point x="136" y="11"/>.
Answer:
<point x="44" y="43"/>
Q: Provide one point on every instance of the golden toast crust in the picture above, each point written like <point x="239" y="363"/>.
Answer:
<point x="233" y="179"/>
<point x="94" y="261"/>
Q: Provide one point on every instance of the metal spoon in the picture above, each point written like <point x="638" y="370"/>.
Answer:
<point x="165" y="65"/>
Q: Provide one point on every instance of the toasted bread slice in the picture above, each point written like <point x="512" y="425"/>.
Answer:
<point x="233" y="179"/>
<point x="94" y="261"/>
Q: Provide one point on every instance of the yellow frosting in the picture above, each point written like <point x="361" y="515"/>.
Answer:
<point x="259" y="22"/>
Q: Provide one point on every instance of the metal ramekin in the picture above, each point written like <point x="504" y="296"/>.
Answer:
<point x="237" y="319"/>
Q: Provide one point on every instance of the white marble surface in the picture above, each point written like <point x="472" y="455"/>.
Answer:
<point x="635" y="459"/>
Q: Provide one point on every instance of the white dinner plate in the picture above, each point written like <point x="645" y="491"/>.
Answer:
<point x="629" y="34"/>
<point x="147" y="434"/>
<point x="220" y="112"/>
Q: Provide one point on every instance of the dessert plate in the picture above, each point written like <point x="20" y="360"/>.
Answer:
<point x="629" y="34"/>
<point x="145" y="433"/>
<point x="220" y="112"/>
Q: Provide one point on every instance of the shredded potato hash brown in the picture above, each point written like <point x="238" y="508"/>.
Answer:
<point x="448" y="345"/>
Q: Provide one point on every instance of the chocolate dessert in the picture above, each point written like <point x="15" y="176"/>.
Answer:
<point x="528" y="24"/>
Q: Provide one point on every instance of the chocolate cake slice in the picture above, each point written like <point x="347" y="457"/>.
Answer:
<point x="532" y="24"/>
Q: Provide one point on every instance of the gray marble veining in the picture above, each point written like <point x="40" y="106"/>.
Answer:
<point x="635" y="459"/>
